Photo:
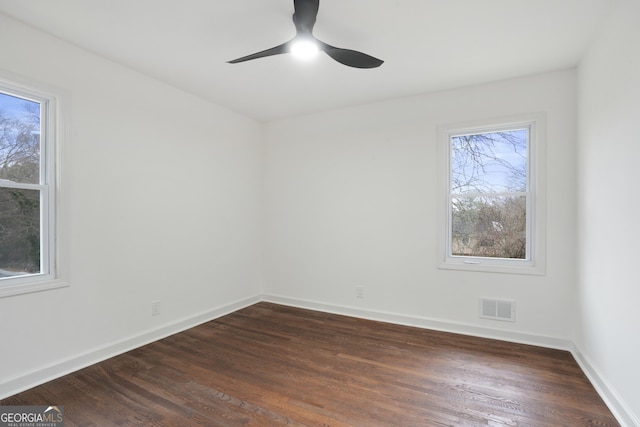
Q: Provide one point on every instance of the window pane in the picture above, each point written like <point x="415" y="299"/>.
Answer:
<point x="19" y="232"/>
<point x="493" y="227"/>
<point x="493" y="162"/>
<point x="19" y="140"/>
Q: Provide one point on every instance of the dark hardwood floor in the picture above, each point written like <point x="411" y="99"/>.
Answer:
<point x="270" y="365"/>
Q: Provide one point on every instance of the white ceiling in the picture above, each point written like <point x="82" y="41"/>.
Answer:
<point x="427" y="45"/>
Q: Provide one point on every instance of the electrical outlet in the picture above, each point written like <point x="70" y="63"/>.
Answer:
<point x="155" y="308"/>
<point x="359" y="291"/>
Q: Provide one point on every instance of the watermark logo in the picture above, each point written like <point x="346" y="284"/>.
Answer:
<point x="31" y="416"/>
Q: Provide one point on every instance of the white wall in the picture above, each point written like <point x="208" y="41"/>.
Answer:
<point x="159" y="200"/>
<point x="609" y="226"/>
<point x="352" y="200"/>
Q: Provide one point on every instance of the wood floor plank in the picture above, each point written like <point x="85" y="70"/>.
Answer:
<point x="272" y="365"/>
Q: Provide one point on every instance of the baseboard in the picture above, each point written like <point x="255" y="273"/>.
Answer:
<point x="616" y="404"/>
<point x="96" y="355"/>
<point x="426" y="323"/>
<point x="611" y="397"/>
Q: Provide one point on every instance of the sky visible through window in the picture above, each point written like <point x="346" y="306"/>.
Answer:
<point x="19" y="139"/>
<point x="494" y="162"/>
<point x="13" y="107"/>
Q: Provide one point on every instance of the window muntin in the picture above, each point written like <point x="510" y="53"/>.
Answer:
<point x="26" y="187"/>
<point x="493" y="218"/>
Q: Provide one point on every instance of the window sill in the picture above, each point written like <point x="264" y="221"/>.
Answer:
<point x="12" y="290"/>
<point x="493" y="268"/>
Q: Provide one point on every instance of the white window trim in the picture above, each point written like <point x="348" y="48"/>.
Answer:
<point x="536" y="208"/>
<point x="50" y="115"/>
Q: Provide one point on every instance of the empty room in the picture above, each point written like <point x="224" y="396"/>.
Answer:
<point x="319" y="213"/>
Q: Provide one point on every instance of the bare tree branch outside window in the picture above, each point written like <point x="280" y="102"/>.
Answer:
<point x="489" y="194"/>
<point x="19" y="164"/>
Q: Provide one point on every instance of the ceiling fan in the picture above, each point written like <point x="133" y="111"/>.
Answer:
<point x="304" y="42"/>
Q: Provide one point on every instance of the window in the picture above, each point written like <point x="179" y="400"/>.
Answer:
<point x="27" y="190"/>
<point x="493" y="182"/>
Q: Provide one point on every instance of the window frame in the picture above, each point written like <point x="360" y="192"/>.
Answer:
<point x="535" y="262"/>
<point x="50" y="131"/>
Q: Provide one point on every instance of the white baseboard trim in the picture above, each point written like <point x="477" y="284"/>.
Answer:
<point x="426" y="323"/>
<point x="612" y="399"/>
<point x="616" y="404"/>
<point x="58" y="369"/>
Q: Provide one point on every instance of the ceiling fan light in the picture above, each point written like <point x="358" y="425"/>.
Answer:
<point x="304" y="49"/>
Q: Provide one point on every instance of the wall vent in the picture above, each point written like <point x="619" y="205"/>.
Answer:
<point x="498" y="309"/>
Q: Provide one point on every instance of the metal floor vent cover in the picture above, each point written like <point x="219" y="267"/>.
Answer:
<point x="498" y="309"/>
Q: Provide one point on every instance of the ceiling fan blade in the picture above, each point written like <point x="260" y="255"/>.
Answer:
<point x="283" y="48"/>
<point x="305" y="15"/>
<point x="304" y="18"/>
<point x="351" y="58"/>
